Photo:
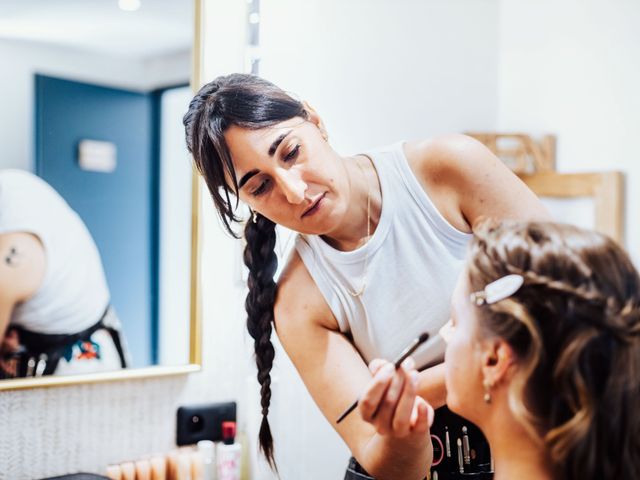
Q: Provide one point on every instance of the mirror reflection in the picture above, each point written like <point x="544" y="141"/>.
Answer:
<point x="95" y="186"/>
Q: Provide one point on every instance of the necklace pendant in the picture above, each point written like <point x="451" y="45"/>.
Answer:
<point x="359" y="292"/>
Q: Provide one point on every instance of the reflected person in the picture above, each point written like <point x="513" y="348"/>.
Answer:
<point x="55" y="316"/>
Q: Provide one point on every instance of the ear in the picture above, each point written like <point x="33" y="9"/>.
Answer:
<point x="315" y="119"/>
<point x="497" y="359"/>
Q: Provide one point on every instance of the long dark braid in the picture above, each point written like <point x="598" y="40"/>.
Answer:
<point x="249" y="102"/>
<point x="262" y="262"/>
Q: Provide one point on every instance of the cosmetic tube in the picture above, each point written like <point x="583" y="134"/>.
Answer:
<point x="208" y="451"/>
<point x="143" y="470"/>
<point x="128" y="471"/>
<point x="158" y="468"/>
<point x="114" y="472"/>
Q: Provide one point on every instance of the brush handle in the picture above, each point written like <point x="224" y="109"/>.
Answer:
<point x="407" y="351"/>
<point x="410" y="349"/>
<point x="348" y="411"/>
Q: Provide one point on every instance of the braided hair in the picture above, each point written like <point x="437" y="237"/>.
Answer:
<point x="253" y="103"/>
<point x="574" y="326"/>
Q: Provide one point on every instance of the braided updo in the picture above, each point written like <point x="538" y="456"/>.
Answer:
<point x="575" y="328"/>
<point x="249" y="102"/>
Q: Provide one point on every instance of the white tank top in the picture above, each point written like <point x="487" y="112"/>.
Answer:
<point x="73" y="294"/>
<point x="414" y="258"/>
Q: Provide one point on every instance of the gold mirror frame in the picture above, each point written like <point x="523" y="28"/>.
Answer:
<point x="195" y="322"/>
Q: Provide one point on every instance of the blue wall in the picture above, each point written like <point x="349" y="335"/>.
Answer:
<point x="119" y="208"/>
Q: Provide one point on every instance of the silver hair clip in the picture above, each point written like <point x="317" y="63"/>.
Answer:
<point x="499" y="290"/>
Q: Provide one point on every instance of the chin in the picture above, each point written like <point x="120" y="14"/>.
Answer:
<point x="324" y="225"/>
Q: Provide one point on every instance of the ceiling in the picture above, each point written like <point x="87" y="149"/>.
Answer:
<point x="159" y="27"/>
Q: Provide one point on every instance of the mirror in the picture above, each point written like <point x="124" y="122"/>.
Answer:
<point x="92" y="107"/>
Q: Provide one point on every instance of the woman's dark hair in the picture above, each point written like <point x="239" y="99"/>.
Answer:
<point x="253" y="103"/>
<point x="575" y="328"/>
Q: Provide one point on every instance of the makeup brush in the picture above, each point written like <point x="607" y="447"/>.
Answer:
<point x="406" y="352"/>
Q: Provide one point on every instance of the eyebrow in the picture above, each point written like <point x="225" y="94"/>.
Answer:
<point x="276" y="143"/>
<point x="246" y="177"/>
<point x="272" y="150"/>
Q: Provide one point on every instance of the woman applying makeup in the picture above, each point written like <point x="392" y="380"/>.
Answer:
<point x="376" y="231"/>
<point x="544" y="353"/>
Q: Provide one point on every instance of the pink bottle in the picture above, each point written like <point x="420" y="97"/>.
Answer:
<point x="229" y="454"/>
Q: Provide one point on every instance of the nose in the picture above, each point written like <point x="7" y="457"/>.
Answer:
<point x="291" y="184"/>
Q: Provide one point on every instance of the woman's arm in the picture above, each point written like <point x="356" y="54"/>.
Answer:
<point x="22" y="268"/>
<point x="398" y="447"/>
<point x="467" y="182"/>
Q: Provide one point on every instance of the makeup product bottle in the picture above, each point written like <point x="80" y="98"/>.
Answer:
<point x="208" y="450"/>
<point x="229" y="454"/>
<point x="128" y="471"/>
<point x="245" y="460"/>
<point x="197" y="465"/>
<point x="172" y="465"/>
<point x="114" y="472"/>
<point x="143" y="470"/>
<point x="158" y="467"/>
<point x="183" y="465"/>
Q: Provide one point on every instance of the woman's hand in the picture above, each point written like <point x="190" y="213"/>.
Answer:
<point x="391" y="404"/>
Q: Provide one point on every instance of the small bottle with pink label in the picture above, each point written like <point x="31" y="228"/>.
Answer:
<point x="228" y="454"/>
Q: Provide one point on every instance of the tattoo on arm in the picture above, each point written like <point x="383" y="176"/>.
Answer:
<point x="12" y="258"/>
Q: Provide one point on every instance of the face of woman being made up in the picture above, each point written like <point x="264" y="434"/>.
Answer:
<point x="463" y="367"/>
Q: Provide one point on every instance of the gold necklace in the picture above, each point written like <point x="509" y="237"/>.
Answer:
<point x="366" y="254"/>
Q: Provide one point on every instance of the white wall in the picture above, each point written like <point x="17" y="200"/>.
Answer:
<point x="380" y="71"/>
<point x="572" y="68"/>
<point x="21" y="60"/>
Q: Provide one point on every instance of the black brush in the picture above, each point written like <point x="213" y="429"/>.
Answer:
<point x="407" y="351"/>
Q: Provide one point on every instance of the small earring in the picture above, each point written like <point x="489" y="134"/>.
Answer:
<point x="254" y="215"/>
<point x="487" y="391"/>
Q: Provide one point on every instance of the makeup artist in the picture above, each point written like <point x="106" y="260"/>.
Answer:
<point x="382" y="238"/>
<point x="55" y="313"/>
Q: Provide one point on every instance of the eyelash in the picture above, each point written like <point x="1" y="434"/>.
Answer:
<point x="287" y="158"/>
<point x="292" y="154"/>
<point x="261" y="188"/>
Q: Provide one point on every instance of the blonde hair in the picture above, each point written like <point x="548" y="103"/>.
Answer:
<point x="575" y="328"/>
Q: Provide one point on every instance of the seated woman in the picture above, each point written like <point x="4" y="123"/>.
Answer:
<point x="55" y="316"/>
<point x="544" y="352"/>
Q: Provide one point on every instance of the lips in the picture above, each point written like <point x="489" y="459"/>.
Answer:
<point x="314" y="205"/>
